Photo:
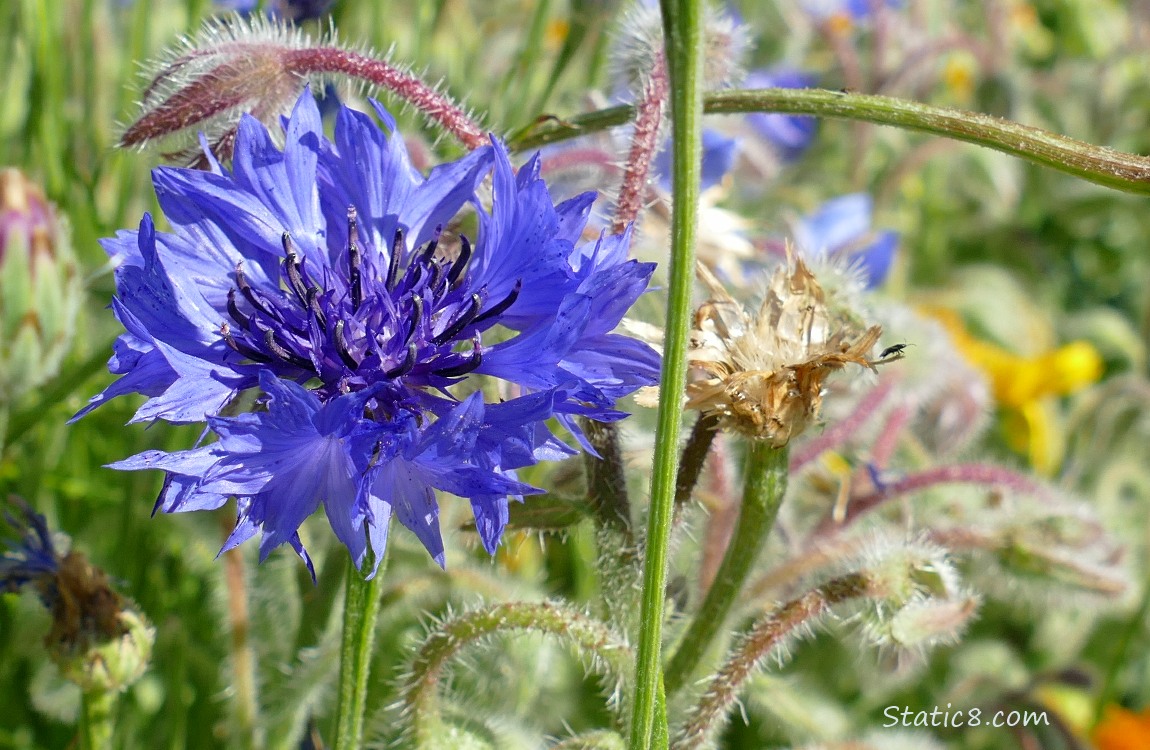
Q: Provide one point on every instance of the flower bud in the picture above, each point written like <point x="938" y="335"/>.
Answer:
<point x="233" y="66"/>
<point x="40" y="287"/>
<point x="99" y="640"/>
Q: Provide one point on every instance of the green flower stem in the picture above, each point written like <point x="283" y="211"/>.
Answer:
<point x="1104" y="166"/>
<point x="360" y="609"/>
<point x="96" y="713"/>
<point x="682" y="28"/>
<point x="591" y="638"/>
<point x="765" y="483"/>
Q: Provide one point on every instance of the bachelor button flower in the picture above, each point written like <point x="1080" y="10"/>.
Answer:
<point x="318" y="277"/>
<point x="763" y="373"/>
<point x="841" y="228"/>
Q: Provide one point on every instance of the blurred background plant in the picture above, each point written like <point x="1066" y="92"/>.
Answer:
<point x="1013" y="432"/>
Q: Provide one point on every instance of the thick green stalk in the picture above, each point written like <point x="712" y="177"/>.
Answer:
<point x="96" y="710"/>
<point x="1104" y="166"/>
<point x="360" y="609"/>
<point x="764" y="484"/>
<point x="682" y="25"/>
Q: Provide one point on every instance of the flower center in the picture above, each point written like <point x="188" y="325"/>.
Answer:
<point x="354" y="329"/>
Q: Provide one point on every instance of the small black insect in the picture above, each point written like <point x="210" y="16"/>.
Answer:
<point x="892" y="350"/>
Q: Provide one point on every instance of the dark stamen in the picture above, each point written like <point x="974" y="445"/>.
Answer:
<point x="500" y="308"/>
<point x="428" y="254"/>
<point x="404" y="366"/>
<point x="313" y="305"/>
<point x="285" y="354"/>
<point x="416" y="316"/>
<point x="460" y="262"/>
<point x="241" y="347"/>
<point x="436" y="276"/>
<point x="393" y="263"/>
<point x="461" y="322"/>
<point x="466" y="366"/>
<point x="342" y="348"/>
<point x="292" y="267"/>
<point x="353" y="259"/>
<point x="250" y="294"/>
<point x="241" y="319"/>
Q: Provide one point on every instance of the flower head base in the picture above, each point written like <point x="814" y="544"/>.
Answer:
<point x="764" y="373"/>
<point x="319" y="277"/>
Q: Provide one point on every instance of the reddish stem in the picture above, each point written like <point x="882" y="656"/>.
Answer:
<point x="755" y="646"/>
<point x="887" y="441"/>
<point x="648" y="118"/>
<point x="984" y="474"/>
<point x="844" y="429"/>
<point x="434" y="105"/>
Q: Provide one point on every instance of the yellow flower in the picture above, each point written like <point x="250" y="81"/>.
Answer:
<point x="1121" y="729"/>
<point x="1026" y="387"/>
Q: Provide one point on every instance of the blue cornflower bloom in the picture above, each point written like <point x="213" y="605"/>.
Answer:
<point x="32" y="559"/>
<point x="841" y="228"/>
<point x="855" y="10"/>
<point x="791" y="135"/>
<point x="318" y="277"/>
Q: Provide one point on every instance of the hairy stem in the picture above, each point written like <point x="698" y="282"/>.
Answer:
<point x="842" y="431"/>
<point x="644" y="144"/>
<point x="694" y="458"/>
<point x="1104" y="166"/>
<point x="435" y="105"/>
<point x="243" y="658"/>
<point x="606" y="480"/>
<point x="592" y="639"/>
<point x="707" y="717"/>
<point x="97" y="709"/>
<point x="683" y="33"/>
<point x="765" y="483"/>
<point x="985" y="474"/>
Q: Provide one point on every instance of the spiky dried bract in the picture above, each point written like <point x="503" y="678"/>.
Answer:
<point x="764" y="372"/>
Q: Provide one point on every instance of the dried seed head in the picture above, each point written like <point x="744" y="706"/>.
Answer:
<point x="232" y="66"/>
<point x="763" y="374"/>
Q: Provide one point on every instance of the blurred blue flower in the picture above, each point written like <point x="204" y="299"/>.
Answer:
<point x="841" y="228"/>
<point x="718" y="158"/>
<point x="32" y="558"/>
<point x="791" y="135"/>
<point x="293" y="11"/>
<point x="319" y="275"/>
<point x="856" y="10"/>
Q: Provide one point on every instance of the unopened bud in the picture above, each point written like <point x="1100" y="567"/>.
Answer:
<point x="40" y="287"/>
<point x="233" y="66"/>
<point x="99" y="640"/>
<point x="931" y="621"/>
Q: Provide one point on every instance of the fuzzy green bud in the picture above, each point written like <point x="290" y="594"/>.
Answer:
<point x="40" y="287"/>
